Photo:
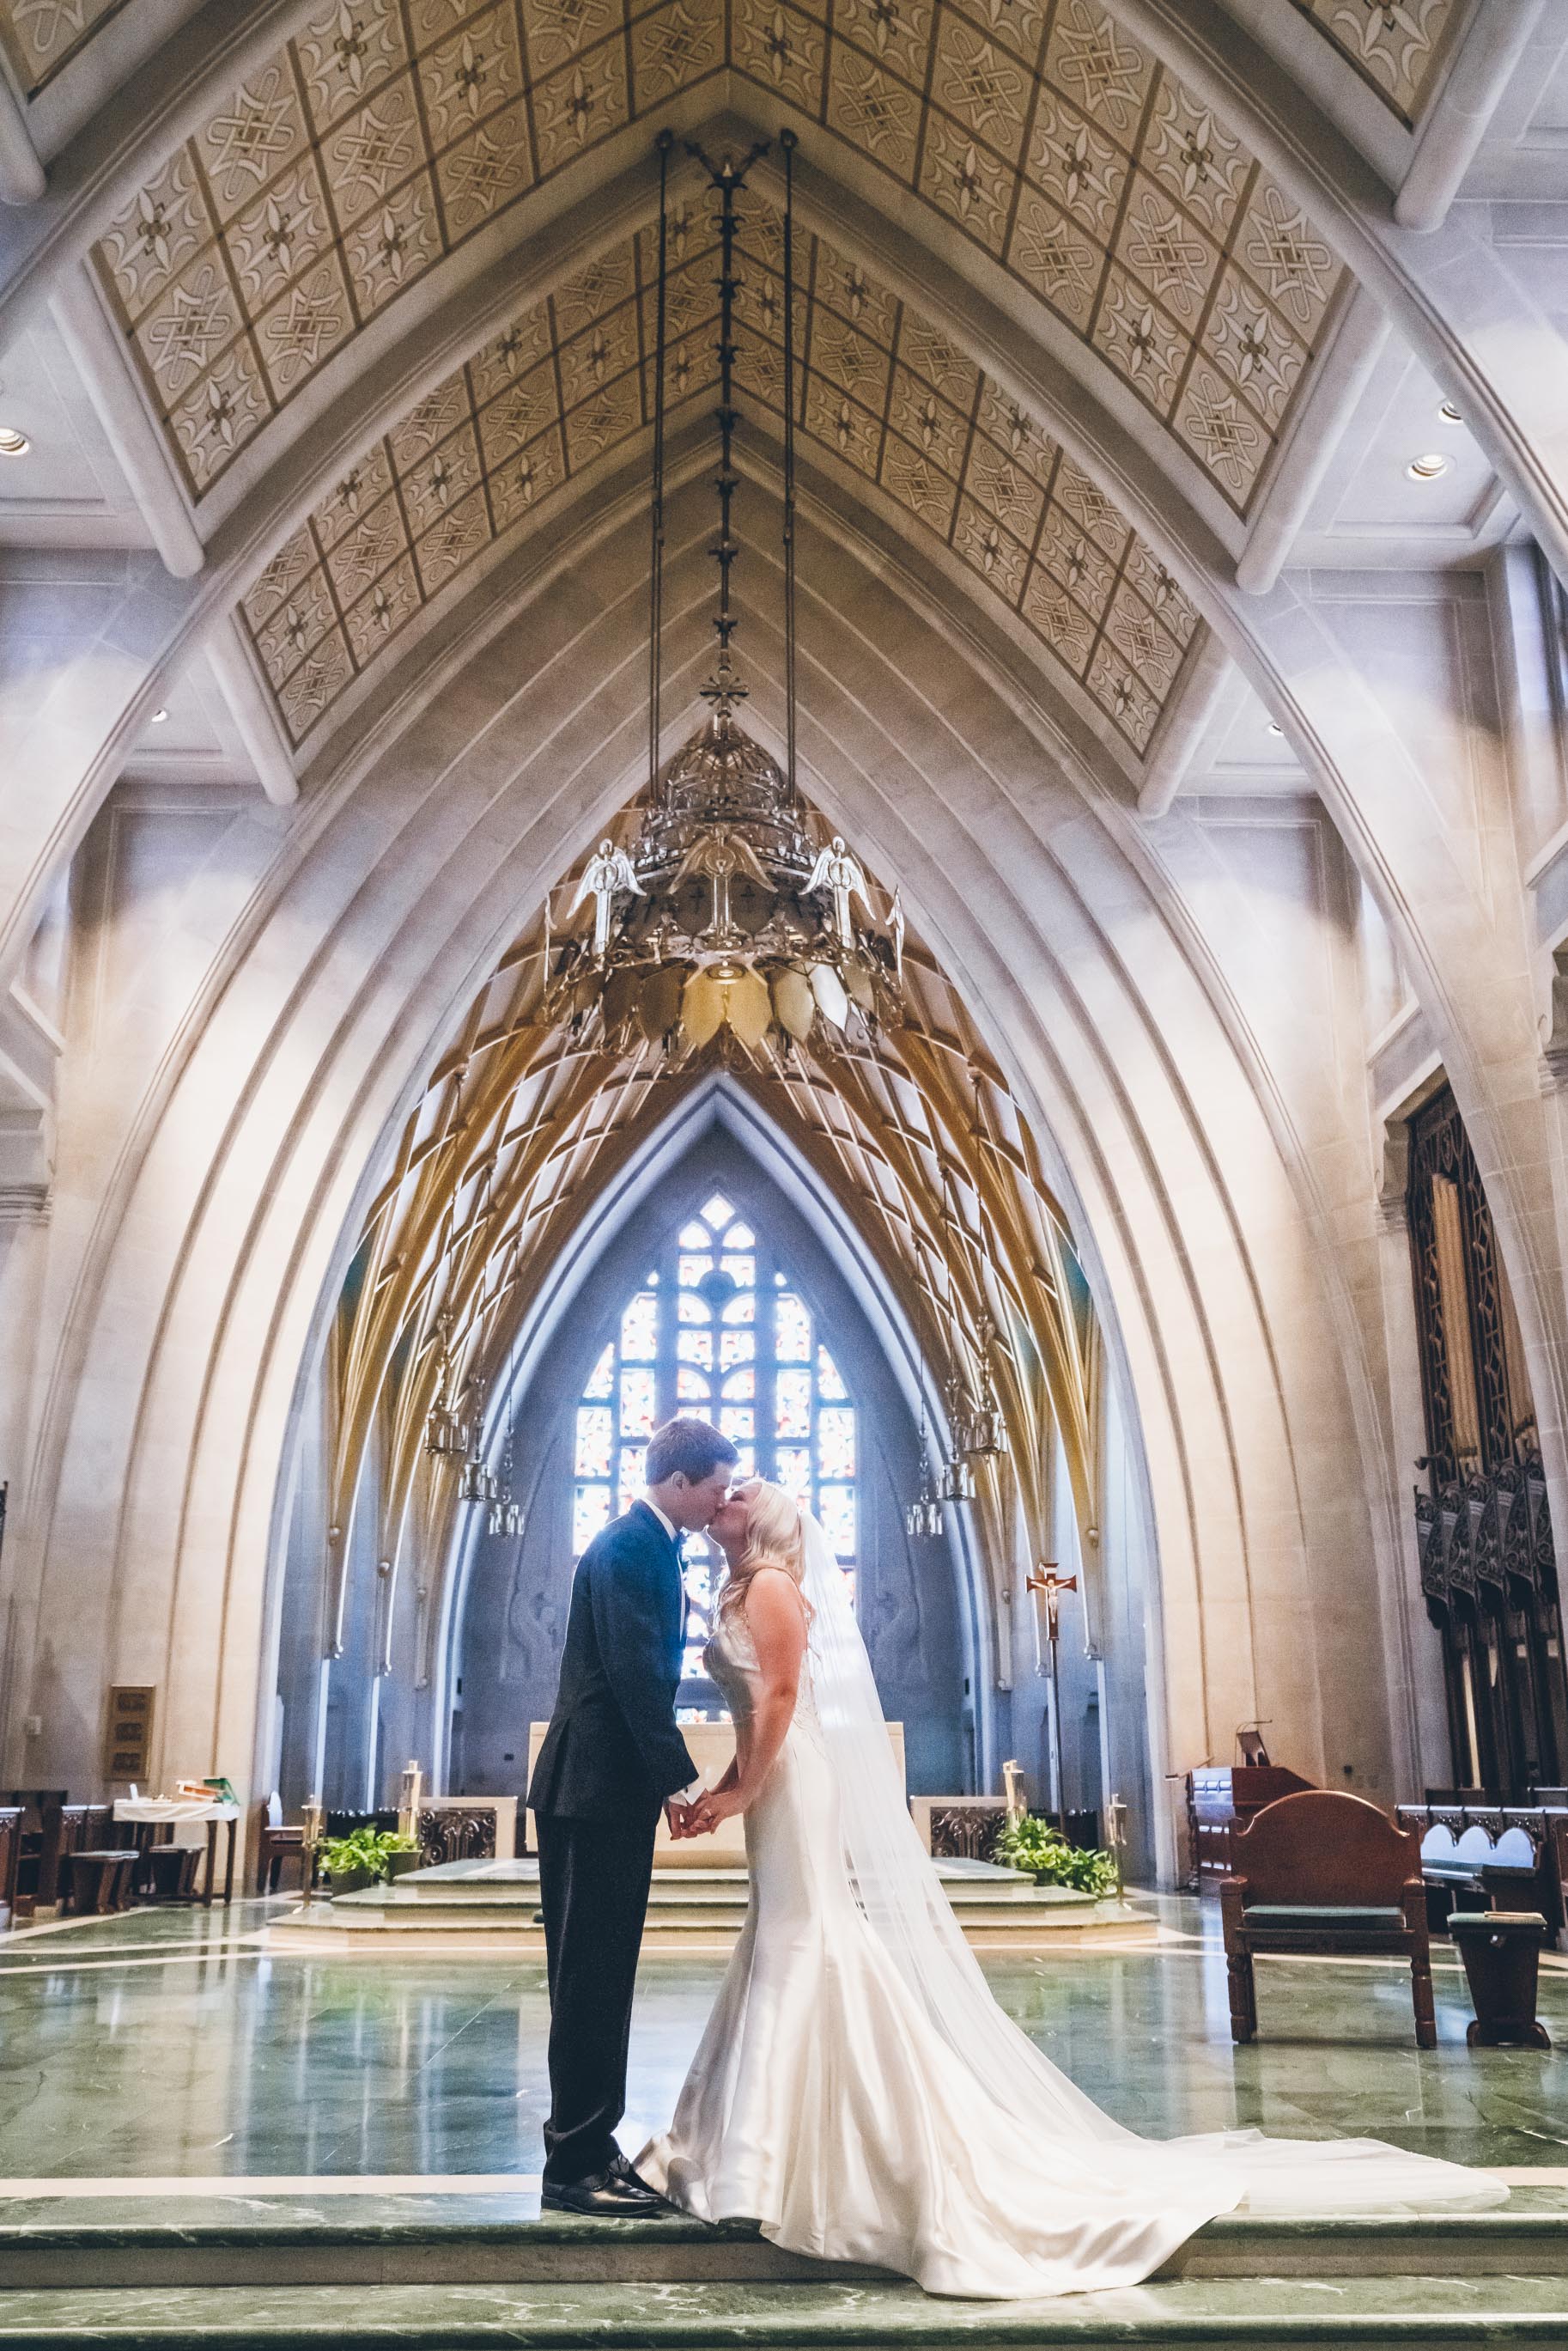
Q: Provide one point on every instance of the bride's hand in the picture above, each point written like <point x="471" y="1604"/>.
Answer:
<point x="718" y="1804"/>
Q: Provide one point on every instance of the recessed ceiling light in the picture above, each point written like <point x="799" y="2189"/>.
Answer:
<point x="12" y="442"/>
<point x="1428" y="468"/>
<point x="1449" y="414"/>
<point x="159" y="717"/>
<point x="1274" y="726"/>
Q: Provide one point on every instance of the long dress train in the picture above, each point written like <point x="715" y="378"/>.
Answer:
<point x="822" y="2103"/>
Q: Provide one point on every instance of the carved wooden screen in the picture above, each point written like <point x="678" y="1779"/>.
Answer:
<point x="1484" y="1533"/>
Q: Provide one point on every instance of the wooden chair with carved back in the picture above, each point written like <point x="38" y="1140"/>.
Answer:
<point x="1325" y="1871"/>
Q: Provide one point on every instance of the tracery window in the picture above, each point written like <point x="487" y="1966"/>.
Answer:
<point x="720" y="1328"/>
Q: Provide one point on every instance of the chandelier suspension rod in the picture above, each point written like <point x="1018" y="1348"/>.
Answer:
<point x="726" y="176"/>
<point x="665" y="142"/>
<point x="789" y="143"/>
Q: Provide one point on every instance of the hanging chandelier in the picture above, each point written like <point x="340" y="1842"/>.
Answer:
<point x="446" y="1435"/>
<point x="957" y="1480"/>
<point x="958" y="1484"/>
<point x="984" y="1435"/>
<point x="924" y="1514"/>
<point x="725" y="917"/>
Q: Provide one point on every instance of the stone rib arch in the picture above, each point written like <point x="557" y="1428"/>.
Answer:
<point x="716" y="1139"/>
<point x="1438" y="906"/>
<point x="388" y="926"/>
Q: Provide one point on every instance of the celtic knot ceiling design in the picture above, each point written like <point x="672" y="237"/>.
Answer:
<point x="1397" y="49"/>
<point x="383" y="136"/>
<point x="40" y="36"/>
<point x="884" y="393"/>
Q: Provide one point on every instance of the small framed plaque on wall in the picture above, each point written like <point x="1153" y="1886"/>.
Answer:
<point x="128" y="1734"/>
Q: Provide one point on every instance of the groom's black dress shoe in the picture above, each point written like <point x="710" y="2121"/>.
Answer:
<point x="612" y="2195"/>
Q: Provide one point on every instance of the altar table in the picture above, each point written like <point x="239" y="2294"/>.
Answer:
<point x="158" y="1812"/>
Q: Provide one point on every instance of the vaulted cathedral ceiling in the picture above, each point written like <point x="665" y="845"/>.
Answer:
<point x="382" y="137"/>
<point x="884" y="392"/>
<point x="523" y="1124"/>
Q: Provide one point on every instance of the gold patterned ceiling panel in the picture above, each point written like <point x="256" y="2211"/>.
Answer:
<point x="890" y="396"/>
<point x="882" y="390"/>
<point x="384" y="135"/>
<point x="41" y="36"/>
<point x="1397" y="46"/>
<point x="1045" y="134"/>
<point x="387" y="132"/>
<point x="562" y="386"/>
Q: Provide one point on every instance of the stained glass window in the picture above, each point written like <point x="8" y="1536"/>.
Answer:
<point x="594" y="1438"/>
<point x="793" y="1417"/>
<point x="793" y="1326"/>
<point x="639" y="1329"/>
<point x="637" y="1404"/>
<point x="773" y="1386"/>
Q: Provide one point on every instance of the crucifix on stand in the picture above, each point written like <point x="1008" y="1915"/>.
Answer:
<point x="1050" y="1586"/>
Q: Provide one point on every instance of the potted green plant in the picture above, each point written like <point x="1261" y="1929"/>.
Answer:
<point x="1042" y="1853"/>
<point x="399" y="1856"/>
<point x="345" y="1864"/>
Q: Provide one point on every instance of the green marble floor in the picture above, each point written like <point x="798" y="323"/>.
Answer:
<point x="172" y="2045"/>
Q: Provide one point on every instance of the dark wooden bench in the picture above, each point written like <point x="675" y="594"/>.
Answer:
<point x="97" y="1879"/>
<point x="1328" y="1872"/>
<point x="277" y="1843"/>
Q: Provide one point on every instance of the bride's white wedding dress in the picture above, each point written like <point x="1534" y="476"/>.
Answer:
<point x="859" y="2103"/>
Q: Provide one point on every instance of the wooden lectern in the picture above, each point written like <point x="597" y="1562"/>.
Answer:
<point x="1222" y="1798"/>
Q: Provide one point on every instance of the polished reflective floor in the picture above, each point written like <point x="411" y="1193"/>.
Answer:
<point x="172" y="2046"/>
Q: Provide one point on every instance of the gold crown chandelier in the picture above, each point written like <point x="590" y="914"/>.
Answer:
<point x="725" y="917"/>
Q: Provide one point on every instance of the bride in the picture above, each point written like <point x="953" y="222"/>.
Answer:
<point x="857" y="2090"/>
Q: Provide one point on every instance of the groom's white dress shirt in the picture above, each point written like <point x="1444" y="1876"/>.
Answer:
<point x="698" y="1785"/>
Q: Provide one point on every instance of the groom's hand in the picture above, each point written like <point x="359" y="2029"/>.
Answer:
<point x="678" y="1817"/>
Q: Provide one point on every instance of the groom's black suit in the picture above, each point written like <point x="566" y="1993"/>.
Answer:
<point x="611" y="1756"/>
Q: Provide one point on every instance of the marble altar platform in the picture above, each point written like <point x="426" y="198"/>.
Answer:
<point x="464" y="1906"/>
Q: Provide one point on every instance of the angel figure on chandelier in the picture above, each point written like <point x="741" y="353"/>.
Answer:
<point x="839" y="873"/>
<point x="717" y="855"/>
<point x="607" y="874"/>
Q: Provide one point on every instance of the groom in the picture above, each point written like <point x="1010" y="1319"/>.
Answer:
<point x="612" y="1758"/>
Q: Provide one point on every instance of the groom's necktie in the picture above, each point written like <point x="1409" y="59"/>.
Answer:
<point x="681" y="1572"/>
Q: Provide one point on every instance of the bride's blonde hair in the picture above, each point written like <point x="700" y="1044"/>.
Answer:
<point x="774" y="1538"/>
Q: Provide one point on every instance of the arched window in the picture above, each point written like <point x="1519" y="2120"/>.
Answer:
<point x="721" y="1329"/>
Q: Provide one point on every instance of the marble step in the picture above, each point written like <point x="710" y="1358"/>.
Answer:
<point x="256" y="2242"/>
<point x="1433" y="2314"/>
<point x="495" y="1905"/>
<point x="516" y="1881"/>
<point x="351" y="1923"/>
